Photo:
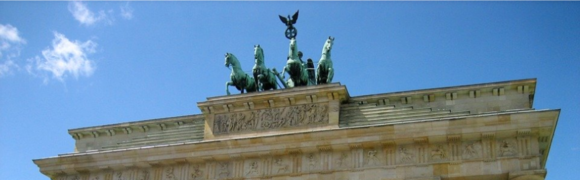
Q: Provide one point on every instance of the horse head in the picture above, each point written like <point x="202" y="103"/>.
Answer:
<point x="258" y="54"/>
<point x="293" y="52"/>
<point x="231" y="60"/>
<point x="328" y="46"/>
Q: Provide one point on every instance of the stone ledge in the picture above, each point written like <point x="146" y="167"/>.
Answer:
<point x="280" y="145"/>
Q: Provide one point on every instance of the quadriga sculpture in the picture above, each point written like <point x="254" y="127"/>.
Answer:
<point x="265" y="78"/>
<point x="295" y="68"/>
<point x="324" y="71"/>
<point x="238" y="77"/>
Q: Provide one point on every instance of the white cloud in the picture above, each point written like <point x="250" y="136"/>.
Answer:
<point x="66" y="58"/>
<point x="127" y="11"/>
<point x="10" y="44"/>
<point x="85" y="16"/>
<point x="10" y="33"/>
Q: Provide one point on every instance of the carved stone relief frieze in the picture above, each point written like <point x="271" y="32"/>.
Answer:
<point x="118" y="175"/>
<point x="280" y="166"/>
<point x="96" y="176"/>
<point x="372" y="157"/>
<point x="252" y="168"/>
<point x="341" y="158"/>
<point x="144" y="175"/>
<point x="438" y="152"/>
<point x="311" y="162"/>
<point x="223" y="170"/>
<point x="322" y="161"/>
<point x="507" y="147"/>
<point x="196" y="172"/>
<point x="471" y="150"/>
<point x="406" y="155"/>
<point x="169" y="173"/>
<point x="272" y="118"/>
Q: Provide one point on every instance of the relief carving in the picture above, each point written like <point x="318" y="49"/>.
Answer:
<point x="223" y="170"/>
<point x="342" y="159"/>
<point x="406" y="155"/>
<point x="507" y="148"/>
<point x="253" y="168"/>
<point x="372" y="158"/>
<point x="280" y="165"/>
<point x="195" y="172"/>
<point x="144" y="175"/>
<point x="119" y="176"/>
<point x="471" y="150"/>
<point x="271" y="118"/>
<point x="438" y="153"/>
<point x="169" y="173"/>
<point x="311" y="160"/>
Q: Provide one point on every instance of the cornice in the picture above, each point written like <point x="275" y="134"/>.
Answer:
<point x="324" y="140"/>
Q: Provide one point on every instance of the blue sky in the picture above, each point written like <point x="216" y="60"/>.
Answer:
<point x="67" y="65"/>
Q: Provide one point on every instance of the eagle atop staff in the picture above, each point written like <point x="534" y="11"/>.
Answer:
<point x="290" y="20"/>
<point x="291" y="32"/>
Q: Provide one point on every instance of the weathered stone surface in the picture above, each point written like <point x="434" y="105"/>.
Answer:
<point x="466" y="132"/>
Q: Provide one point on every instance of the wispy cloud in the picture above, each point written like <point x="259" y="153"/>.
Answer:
<point x="127" y="11"/>
<point x="65" y="58"/>
<point x="10" y="44"/>
<point x="85" y="16"/>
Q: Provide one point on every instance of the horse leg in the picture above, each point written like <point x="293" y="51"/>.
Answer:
<point x="259" y="82"/>
<point x="256" y="76"/>
<point x="273" y="82"/>
<point x="228" y="84"/>
<point x="318" y="74"/>
<point x="284" y="72"/>
<point x="330" y="75"/>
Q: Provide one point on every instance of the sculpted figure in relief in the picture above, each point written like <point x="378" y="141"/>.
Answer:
<point x="169" y="173"/>
<point x="224" y="170"/>
<point x="282" y="167"/>
<point x="406" y="156"/>
<point x="144" y="175"/>
<point x="270" y="118"/>
<point x="470" y="151"/>
<point x="438" y="153"/>
<point x="507" y="148"/>
<point x="195" y="172"/>
<point x="253" y="168"/>
<point x="311" y="160"/>
<point x="372" y="157"/>
<point x="342" y="159"/>
<point x="119" y="175"/>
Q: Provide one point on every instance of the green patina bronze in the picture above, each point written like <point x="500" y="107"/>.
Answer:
<point x="324" y="71"/>
<point x="265" y="78"/>
<point x="301" y="73"/>
<point x="238" y="77"/>
<point x="295" y="68"/>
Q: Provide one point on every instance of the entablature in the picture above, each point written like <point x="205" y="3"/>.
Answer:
<point x="510" y="135"/>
